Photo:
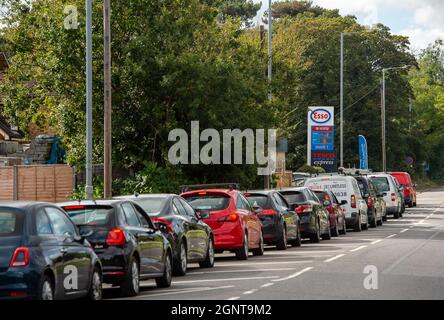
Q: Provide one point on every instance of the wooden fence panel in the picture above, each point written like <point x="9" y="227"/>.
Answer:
<point x="6" y="183"/>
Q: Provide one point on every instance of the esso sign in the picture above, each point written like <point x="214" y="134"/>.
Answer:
<point x="320" y="116"/>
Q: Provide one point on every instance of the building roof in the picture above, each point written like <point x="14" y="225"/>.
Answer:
<point x="12" y="133"/>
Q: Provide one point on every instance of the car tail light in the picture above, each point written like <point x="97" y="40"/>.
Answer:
<point x="393" y="197"/>
<point x="116" y="237"/>
<point x="18" y="294"/>
<point x="163" y="222"/>
<point x="268" y="212"/>
<point x="304" y="208"/>
<point x="353" y="201"/>
<point x="370" y="202"/>
<point x="232" y="217"/>
<point x="76" y="207"/>
<point x="20" y="258"/>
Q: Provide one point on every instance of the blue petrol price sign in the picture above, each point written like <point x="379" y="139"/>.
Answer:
<point x="321" y="137"/>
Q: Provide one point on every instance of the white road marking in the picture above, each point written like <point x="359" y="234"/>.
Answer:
<point x="247" y="264"/>
<point x="142" y="296"/>
<point x="250" y="291"/>
<point x="334" y="258"/>
<point x="236" y="271"/>
<point x="234" y="298"/>
<point x="228" y="279"/>
<point x="358" y="248"/>
<point x="376" y="241"/>
<point x="403" y="230"/>
<point x="294" y="275"/>
<point x="269" y="284"/>
<point x="391" y="236"/>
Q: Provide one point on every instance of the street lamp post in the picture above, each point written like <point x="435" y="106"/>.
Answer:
<point x="88" y="164"/>
<point x="383" y="116"/>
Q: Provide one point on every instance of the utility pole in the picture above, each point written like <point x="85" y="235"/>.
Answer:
<point x="342" y="103"/>
<point x="107" y="157"/>
<point x="88" y="164"/>
<point x="270" y="68"/>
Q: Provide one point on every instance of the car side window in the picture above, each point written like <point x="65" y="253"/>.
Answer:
<point x="42" y="223"/>
<point x="130" y="215"/>
<point x="179" y="207"/>
<point x="279" y="201"/>
<point x="313" y="197"/>
<point x="189" y="209"/>
<point x="239" y="203"/>
<point x="60" y="223"/>
<point x="144" y="221"/>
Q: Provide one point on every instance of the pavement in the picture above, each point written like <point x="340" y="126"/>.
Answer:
<point x="403" y="259"/>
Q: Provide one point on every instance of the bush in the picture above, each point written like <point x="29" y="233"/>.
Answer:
<point x="311" y="169"/>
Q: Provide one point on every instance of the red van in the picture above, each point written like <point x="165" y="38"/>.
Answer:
<point x="404" y="180"/>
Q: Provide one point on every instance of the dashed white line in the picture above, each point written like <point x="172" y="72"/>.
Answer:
<point x="218" y="280"/>
<point x="391" y="236"/>
<point x="141" y="297"/>
<point x="376" y="241"/>
<point x="334" y="258"/>
<point x="239" y="270"/>
<point x="250" y="291"/>
<point x="294" y="275"/>
<point x="403" y="230"/>
<point x="269" y="284"/>
<point x="358" y="248"/>
<point x="247" y="264"/>
<point x="234" y="298"/>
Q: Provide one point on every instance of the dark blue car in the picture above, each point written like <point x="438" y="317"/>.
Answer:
<point x="43" y="256"/>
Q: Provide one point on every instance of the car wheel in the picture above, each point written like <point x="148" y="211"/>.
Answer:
<point x="327" y="236"/>
<point x="242" y="253"/>
<point x="298" y="241"/>
<point x="209" y="259"/>
<point x="344" y="227"/>
<point x="380" y="221"/>
<point x="335" y="232"/>
<point x="95" y="290"/>
<point x="374" y="222"/>
<point x="46" y="291"/>
<point x="414" y="204"/>
<point x="131" y="285"/>
<point x="259" y="251"/>
<point x="316" y="237"/>
<point x="384" y="218"/>
<point x="396" y="215"/>
<point x="180" y="264"/>
<point x="165" y="280"/>
<point x="358" y="226"/>
<point x="281" y="243"/>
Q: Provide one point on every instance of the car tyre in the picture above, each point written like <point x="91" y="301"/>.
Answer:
<point x="46" y="290"/>
<point x="242" y="253"/>
<point x="165" y="280"/>
<point x="95" y="289"/>
<point x="316" y="237"/>
<point x="180" y="264"/>
<point x="344" y="227"/>
<point x="358" y="226"/>
<point x="281" y="244"/>
<point x="209" y="258"/>
<point x="259" y="251"/>
<point x="327" y="236"/>
<point x="131" y="285"/>
<point x="335" y="232"/>
<point x="298" y="241"/>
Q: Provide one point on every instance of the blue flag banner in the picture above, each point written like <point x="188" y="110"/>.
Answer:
<point x="363" y="153"/>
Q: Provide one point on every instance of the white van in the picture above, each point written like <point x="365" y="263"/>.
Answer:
<point x="346" y="189"/>
<point x="387" y="185"/>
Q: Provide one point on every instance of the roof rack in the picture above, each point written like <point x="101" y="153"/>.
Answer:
<point x="231" y="186"/>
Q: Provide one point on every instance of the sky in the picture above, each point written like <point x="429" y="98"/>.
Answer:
<point x="421" y="20"/>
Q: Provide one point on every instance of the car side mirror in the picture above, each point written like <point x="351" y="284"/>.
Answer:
<point x="414" y="185"/>
<point x="326" y="203"/>
<point x="203" y="214"/>
<point x="343" y="202"/>
<point x="257" y="209"/>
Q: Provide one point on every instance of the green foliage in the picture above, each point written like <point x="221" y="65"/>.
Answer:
<point x="310" y="169"/>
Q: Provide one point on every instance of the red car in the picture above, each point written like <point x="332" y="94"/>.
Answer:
<point x="405" y="181"/>
<point x="335" y="212"/>
<point x="235" y="224"/>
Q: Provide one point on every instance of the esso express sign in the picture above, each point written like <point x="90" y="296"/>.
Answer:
<point x="320" y="116"/>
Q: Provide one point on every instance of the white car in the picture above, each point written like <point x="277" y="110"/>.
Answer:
<point x="387" y="184"/>
<point x="346" y="189"/>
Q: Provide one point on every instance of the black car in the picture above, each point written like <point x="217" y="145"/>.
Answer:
<point x="191" y="239"/>
<point x="314" y="218"/>
<point x="373" y="198"/>
<point x="130" y="247"/>
<point x="280" y="225"/>
<point x="43" y="256"/>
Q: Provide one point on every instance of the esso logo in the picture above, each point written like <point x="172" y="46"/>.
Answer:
<point x="320" y="116"/>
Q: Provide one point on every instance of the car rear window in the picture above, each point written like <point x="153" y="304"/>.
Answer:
<point x="10" y="223"/>
<point x="257" y="200"/>
<point x="211" y="202"/>
<point x="90" y="215"/>
<point x="293" y="196"/>
<point x="381" y="183"/>
<point x="151" y="206"/>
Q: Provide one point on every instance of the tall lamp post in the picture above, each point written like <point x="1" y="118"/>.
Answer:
<point x="383" y="115"/>
<point x="88" y="164"/>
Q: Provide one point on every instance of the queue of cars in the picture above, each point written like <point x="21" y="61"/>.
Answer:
<point x="69" y="250"/>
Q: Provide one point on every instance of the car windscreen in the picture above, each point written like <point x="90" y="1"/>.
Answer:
<point x="381" y="183"/>
<point x="322" y="196"/>
<point x="294" y="196"/>
<point x="257" y="200"/>
<point x="11" y="222"/>
<point x="152" y="206"/>
<point x="211" y="202"/>
<point x="90" y="215"/>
